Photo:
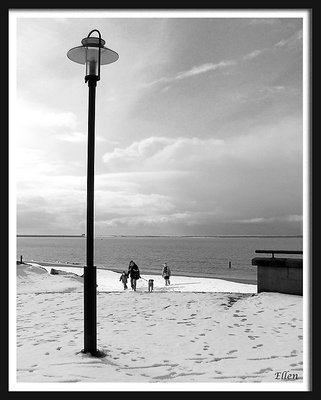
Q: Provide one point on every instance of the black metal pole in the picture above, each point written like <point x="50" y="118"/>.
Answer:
<point x="90" y="301"/>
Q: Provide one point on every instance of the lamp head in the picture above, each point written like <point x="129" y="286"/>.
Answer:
<point x="92" y="54"/>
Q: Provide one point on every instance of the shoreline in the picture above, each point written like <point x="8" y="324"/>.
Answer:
<point x="222" y="276"/>
<point x="191" y="275"/>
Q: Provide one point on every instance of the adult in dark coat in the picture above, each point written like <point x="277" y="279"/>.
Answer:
<point x="133" y="272"/>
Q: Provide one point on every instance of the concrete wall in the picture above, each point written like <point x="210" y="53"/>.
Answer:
<point x="283" y="275"/>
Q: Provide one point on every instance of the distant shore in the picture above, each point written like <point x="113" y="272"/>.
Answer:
<point x="166" y="236"/>
<point x="78" y="236"/>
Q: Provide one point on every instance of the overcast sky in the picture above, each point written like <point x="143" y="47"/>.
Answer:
<point x="199" y="125"/>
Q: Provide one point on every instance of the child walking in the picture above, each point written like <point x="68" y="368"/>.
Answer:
<point x="124" y="278"/>
<point x="166" y="274"/>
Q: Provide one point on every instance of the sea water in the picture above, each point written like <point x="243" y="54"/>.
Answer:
<point x="190" y="256"/>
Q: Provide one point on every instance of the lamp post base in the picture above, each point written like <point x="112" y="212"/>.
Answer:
<point x="97" y="353"/>
<point x="90" y="310"/>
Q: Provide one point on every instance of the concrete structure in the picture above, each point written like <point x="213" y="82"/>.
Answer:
<point x="283" y="275"/>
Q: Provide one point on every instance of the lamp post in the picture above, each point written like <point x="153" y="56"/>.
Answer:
<point x="92" y="54"/>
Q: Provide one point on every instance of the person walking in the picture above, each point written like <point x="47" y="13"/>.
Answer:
<point x="124" y="278"/>
<point x="133" y="272"/>
<point x="166" y="274"/>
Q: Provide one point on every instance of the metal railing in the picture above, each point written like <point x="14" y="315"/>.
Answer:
<point x="279" y="252"/>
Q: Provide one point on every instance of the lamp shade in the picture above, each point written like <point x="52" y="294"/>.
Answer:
<point x="88" y="54"/>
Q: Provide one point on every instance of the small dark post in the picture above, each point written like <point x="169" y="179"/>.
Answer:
<point x="229" y="264"/>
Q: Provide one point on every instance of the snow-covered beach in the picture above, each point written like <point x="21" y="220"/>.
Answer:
<point x="195" y="331"/>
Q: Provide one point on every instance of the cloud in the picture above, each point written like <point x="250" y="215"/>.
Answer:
<point x="78" y="137"/>
<point x="194" y="71"/>
<point x="265" y="21"/>
<point x="148" y="220"/>
<point x="31" y="164"/>
<point x="268" y="92"/>
<point x="73" y="137"/>
<point x="36" y="115"/>
<point x="201" y="69"/>
<point x="290" y="42"/>
<point x="269" y="220"/>
<point x="138" y="149"/>
<point x="167" y="183"/>
<point x="47" y="202"/>
<point x="209" y="67"/>
<point x="252" y="55"/>
<point x="191" y="154"/>
<point x="160" y="153"/>
<point x="36" y="123"/>
<point x="210" y="180"/>
<point x="170" y="181"/>
<point x="132" y="201"/>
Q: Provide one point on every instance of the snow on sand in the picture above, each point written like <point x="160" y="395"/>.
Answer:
<point x="195" y="330"/>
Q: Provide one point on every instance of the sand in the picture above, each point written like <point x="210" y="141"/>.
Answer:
<point x="196" y="334"/>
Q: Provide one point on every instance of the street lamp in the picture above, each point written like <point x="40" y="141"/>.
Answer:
<point x="93" y="54"/>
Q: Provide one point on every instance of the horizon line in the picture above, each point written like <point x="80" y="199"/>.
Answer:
<point x="120" y="235"/>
